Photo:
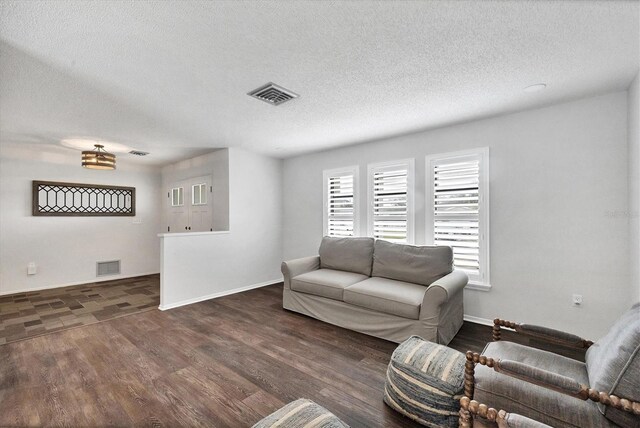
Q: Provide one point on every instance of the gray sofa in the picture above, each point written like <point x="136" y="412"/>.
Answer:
<point x="386" y="290"/>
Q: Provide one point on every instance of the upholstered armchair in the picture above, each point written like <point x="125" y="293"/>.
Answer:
<point x="558" y="391"/>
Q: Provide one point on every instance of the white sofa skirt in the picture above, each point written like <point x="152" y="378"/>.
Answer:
<point x="440" y="328"/>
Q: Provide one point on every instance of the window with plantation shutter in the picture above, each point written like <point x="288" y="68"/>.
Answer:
<point x="391" y="201"/>
<point x="458" y="210"/>
<point x="340" y="202"/>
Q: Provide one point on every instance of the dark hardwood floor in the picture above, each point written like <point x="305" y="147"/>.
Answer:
<point x="226" y="362"/>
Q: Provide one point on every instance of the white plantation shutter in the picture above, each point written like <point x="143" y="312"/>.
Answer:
<point x="340" y="202"/>
<point x="390" y="204"/>
<point x="459" y="210"/>
<point x="390" y="200"/>
<point x="456" y="212"/>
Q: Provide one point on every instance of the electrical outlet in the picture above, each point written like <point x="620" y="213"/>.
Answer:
<point x="576" y="299"/>
<point x="31" y="268"/>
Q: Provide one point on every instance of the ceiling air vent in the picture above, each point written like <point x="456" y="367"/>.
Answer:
<point x="273" y="94"/>
<point x="138" y="153"/>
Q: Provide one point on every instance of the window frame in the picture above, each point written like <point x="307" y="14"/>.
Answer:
<point x="372" y="168"/>
<point x="340" y="172"/>
<point x="180" y="198"/>
<point x="201" y="193"/>
<point x="483" y="282"/>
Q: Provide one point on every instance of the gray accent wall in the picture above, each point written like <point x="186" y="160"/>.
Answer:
<point x="559" y="194"/>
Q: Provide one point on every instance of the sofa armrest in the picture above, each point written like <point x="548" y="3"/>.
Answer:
<point x="539" y="332"/>
<point x="295" y="267"/>
<point x="442" y="291"/>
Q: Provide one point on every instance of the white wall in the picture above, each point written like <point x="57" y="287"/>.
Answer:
<point x="66" y="249"/>
<point x="215" y="164"/>
<point x="558" y="178"/>
<point x="634" y="183"/>
<point x="200" y="266"/>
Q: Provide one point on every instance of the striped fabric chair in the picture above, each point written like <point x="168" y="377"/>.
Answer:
<point x="425" y="382"/>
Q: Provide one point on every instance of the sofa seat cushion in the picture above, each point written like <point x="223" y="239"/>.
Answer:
<point x="325" y="282"/>
<point x="410" y="263"/>
<point x="386" y="295"/>
<point x="347" y="254"/>
<point x="500" y="391"/>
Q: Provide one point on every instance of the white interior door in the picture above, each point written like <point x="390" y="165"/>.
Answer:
<point x="190" y="205"/>
<point x="178" y="207"/>
<point x="201" y="213"/>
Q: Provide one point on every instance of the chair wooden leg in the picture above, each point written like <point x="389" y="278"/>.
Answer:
<point x="469" y="374"/>
<point x="465" y="420"/>
<point x="496" y="333"/>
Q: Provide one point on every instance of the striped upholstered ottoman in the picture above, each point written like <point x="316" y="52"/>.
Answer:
<point x="425" y="382"/>
<point x="301" y="414"/>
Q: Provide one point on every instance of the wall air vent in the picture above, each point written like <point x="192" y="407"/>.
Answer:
<point x="272" y="94"/>
<point x="108" y="268"/>
<point x="138" y="153"/>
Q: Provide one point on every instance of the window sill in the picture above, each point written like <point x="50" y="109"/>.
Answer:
<point x="472" y="285"/>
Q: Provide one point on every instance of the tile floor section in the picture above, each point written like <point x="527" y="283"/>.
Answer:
<point x="25" y="315"/>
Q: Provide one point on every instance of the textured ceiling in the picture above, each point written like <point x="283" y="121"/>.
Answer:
<point x="171" y="77"/>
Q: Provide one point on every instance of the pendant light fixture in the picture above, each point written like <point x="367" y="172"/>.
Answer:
<point x="98" y="158"/>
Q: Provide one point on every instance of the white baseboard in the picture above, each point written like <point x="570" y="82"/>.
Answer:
<point x="218" y="294"/>
<point x="478" y="320"/>
<point x="71" y="284"/>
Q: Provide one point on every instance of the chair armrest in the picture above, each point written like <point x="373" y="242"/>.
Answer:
<point x="539" y="332"/>
<point x="470" y="409"/>
<point x="543" y="378"/>
<point x="295" y="267"/>
<point x="442" y="291"/>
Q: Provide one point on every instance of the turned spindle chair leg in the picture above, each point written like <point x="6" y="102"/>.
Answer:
<point x="465" y="420"/>
<point x="495" y="332"/>
<point x="469" y="373"/>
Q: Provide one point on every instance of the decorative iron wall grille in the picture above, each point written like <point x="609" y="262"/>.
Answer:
<point x="52" y="198"/>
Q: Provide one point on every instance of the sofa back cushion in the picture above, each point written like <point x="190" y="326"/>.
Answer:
<point x="613" y="364"/>
<point x="419" y="265"/>
<point x="347" y="254"/>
